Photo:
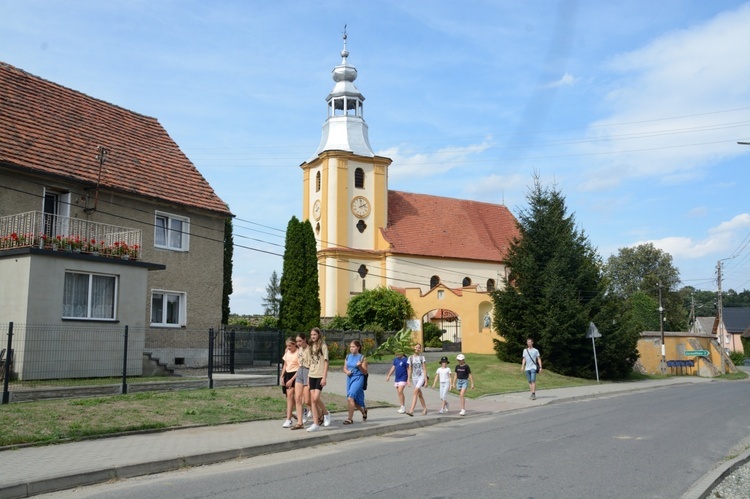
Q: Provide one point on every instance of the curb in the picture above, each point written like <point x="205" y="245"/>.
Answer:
<point x="93" y="477"/>
<point x="703" y="486"/>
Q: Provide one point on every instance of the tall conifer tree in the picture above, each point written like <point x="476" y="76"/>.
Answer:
<point x="554" y="288"/>
<point x="300" y="301"/>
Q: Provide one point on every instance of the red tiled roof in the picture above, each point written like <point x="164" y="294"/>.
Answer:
<point x="419" y="224"/>
<point x="50" y="129"/>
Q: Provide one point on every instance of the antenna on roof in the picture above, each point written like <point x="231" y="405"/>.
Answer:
<point x="102" y="158"/>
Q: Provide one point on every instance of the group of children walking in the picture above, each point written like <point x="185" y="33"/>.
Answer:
<point x="305" y="373"/>
<point x="413" y="371"/>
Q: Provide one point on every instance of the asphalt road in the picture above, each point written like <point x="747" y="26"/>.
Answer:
<point x="645" y="444"/>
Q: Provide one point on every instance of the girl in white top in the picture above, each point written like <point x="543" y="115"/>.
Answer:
<point x="444" y="376"/>
<point x="417" y="376"/>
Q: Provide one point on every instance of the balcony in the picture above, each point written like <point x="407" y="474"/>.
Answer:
<point x="56" y="233"/>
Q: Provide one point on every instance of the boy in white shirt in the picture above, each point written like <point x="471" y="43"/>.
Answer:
<point x="444" y="376"/>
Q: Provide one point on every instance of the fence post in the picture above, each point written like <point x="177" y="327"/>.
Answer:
<point x="210" y="357"/>
<point x="232" y="337"/>
<point x="6" y="367"/>
<point x="278" y="355"/>
<point x="125" y="363"/>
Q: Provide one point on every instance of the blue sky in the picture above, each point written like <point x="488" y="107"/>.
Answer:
<point x="633" y="109"/>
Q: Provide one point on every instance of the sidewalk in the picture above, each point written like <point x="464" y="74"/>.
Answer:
<point x="35" y="470"/>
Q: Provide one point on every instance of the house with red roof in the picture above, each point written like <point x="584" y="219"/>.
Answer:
<point x="104" y="221"/>
<point x="445" y="255"/>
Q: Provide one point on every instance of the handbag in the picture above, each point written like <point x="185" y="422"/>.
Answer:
<point x="364" y="383"/>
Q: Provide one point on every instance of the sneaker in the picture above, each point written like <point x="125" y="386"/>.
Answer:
<point x="462" y="413"/>
<point x="446" y="407"/>
<point x="533" y="396"/>
<point x="305" y="416"/>
<point x="314" y="427"/>
<point x="287" y="424"/>
<point x="327" y="419"/>
<point x="401" y="410"/>
<point x="441" y="411"/>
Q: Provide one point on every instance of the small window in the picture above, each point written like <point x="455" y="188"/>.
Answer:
<point x="89" y="296"/>
<point x="434" y="281"/>
<point x="168" y="308"/>
<point x="171" y="232"/>
<point x="466" y="282"/>
<point x="490" y="285"/>
<point x="441" y="294"/>
<point x="317" y="182"/>
<point x="359" y="178"/>
<point x="361" y="226"/>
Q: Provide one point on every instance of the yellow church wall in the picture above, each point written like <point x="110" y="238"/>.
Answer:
<point x="649" y="349"/>
<point x="470" y="307"/>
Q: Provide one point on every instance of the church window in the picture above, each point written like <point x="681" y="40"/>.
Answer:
<point x="361" y="226"/>
<point x="467" y="281"/>
<point x="359" y="178"/>
<point x="317" y="182"/>
<point x="434" y="281"/>
<point x="490" y="285"/>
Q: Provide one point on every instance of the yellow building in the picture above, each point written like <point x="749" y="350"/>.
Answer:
<point x="443" y="254"/>
<point x="682" y="346"/>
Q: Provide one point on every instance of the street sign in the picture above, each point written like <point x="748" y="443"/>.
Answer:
<point x="593" y="331"/>
<point x="696" y="353"/>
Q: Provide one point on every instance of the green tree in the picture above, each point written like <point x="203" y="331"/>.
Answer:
<point x="228" y="266"/>
<point x="384" y="307"/>
<point x="642" y="269"/>
<point x="703" y="302"/>
<point x="272" y="299"/>
<point x="553" y="290"/>
<point x="299" y="309"/>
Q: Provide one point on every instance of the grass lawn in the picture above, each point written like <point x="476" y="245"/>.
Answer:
<point x="53" y="421"/>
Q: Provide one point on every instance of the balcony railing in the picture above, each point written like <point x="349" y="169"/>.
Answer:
<point x="47" y="231"/>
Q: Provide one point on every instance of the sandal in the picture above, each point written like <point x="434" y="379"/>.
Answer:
<point x="410" y="414"/>
<point x="348" y="421"/>
<point x="364" y="414"/>
<point x="424" y="412"/>
<point x="298" y="427"/>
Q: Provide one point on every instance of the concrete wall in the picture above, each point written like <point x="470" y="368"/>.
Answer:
<point x="48" y="347"/>
<point x="675" y="345"/>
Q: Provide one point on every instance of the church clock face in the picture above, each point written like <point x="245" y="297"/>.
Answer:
<point x="360" y="207"/>
<point x="316" y="210"/>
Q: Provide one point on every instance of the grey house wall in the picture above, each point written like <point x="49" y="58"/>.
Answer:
<point x="198" y="272"/>
<point x="48" y="347"/>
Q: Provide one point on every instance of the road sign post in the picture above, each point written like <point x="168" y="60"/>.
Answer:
<point x="594" y="333"/>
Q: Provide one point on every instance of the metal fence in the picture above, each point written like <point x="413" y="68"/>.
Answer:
<point x="51" y="358"/>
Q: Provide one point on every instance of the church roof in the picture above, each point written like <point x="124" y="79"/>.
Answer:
<point x="434" y="226"/>
<point x="49" y="129"/>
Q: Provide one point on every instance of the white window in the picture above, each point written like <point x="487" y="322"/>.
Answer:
<point x="171" y="232"/>
<point x="89" y="296"/>
<point x="168" y="308"/>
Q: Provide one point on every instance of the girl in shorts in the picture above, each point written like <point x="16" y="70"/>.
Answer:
<point x="461" y="379"/>
<point x="418" y="376"/>
<point x="301" y="389"/>
<point x="400" y="368"/>
<point x="288" y="376"/>
<point x="317" y="380"/>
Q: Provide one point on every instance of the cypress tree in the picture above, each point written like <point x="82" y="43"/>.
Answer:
<point x="299" y="309"/>
<point x="228" y="268"/>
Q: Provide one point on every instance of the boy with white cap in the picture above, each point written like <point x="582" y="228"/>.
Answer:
<point x="444" y="376"/>
<point x="461" y="379"/>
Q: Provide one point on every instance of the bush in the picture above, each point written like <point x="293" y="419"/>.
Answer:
<point x="340" y="323"/>
<point x="337" y="350"/>
<point x="430" y="332"/>
<point x="738" y="358"/>
<point x="434" y="343"/>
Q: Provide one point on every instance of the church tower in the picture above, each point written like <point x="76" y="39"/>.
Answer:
<point x="345" y="197"/>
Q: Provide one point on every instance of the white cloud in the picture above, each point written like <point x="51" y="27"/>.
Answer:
<point x="566" y="80"/>
<point x="419" y="165"/>
<point x="721" y="240"/>
<point x="676" y="103"/>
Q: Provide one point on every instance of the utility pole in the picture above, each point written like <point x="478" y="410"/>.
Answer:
<point x="663" y="364"/>
<point x="720" y="331"/>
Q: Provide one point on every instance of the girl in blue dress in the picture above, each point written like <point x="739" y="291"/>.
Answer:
<point x="355" y="369"/>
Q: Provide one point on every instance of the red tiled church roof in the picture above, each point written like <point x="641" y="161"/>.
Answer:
<point x="50" y="129"/>
<point x="419" y="224"/>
